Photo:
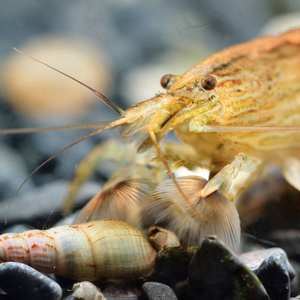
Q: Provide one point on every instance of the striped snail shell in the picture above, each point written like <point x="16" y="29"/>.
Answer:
<point x="88" y="251"/>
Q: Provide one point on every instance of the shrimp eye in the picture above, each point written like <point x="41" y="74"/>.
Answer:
<point x="165" y="80"/>
<point x="208" y="82"/>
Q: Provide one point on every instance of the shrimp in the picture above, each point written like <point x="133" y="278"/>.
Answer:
<point x="239" y="108"/>
<point x="248" y="105"/>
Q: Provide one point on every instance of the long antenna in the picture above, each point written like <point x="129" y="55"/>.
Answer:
<point x="98" y="94"/>
<point x="105" y="126"/>
<point x="53" y="128"/>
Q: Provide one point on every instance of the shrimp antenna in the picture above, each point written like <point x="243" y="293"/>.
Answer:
<point x="105" y="125"/>
<point x="98" y="94"/>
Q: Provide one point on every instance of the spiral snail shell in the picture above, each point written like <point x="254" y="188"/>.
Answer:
<point x="85" y="290"/>
<point x="88" y="251"/>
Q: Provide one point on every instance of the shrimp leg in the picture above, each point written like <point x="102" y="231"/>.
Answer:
<point x="291" y="170"/>
<point x="234" y="177"/>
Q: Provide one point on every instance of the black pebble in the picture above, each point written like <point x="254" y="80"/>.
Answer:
<point x="273" y="273"/>
<point x="216" y="272"/>
<point x="172" y="265"/>
<point x="23" y="282"/>
<point x="254" y="259"/>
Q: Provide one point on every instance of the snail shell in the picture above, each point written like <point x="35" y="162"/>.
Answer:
<point x="161" y="238"/>
<point x="88" y="251"/>
<point x="87" y="291"/>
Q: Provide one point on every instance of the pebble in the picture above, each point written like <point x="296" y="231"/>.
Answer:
<point x="120" y="291"/>
<point x="17" y="228"/>
<point x="23" y="282"/>
<point x="289" y="240"/>
<point x="44" y="203"/>
<point x="216" y="272"/>
<point x="45" y="94"/>
<point x="172" y="265"/>
<point x="295" y="283"/>
<point x="13" y="172"/>
<point x="157" y="291"/>
<point x="63" y="166"/>
<point x="273" y="273"/>
<point x="68" y="220"/>
<point x="254" y="259"/>
<point x="282" y="23"/>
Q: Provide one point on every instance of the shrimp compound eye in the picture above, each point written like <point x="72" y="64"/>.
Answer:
<point x="165" y="80"/>
<point x="208" y="82"/>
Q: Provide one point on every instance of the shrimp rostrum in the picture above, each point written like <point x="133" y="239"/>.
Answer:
<point x="239" y="108"/>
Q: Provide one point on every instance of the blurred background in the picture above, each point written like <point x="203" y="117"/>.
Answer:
<point x="121" y="48"/>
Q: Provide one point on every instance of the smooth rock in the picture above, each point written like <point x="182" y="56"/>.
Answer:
<point x="253" y="259"/>
<point x="182" y="289"/>
<point x="17" y="228"/>
<point x="295" y="283"/>
<point x="172" y="265"/>
<point x="69" y="297"/>
<point x="3" y="295"/>
<point x="13" y="172"/>
<point x="273" y="273"/>
<point x="282" y="23"/>
<point x="289" y="240"/>
<point x="157" y="291"/>
<point x="23" y="282"/>
<point x="69" y="220"/>
<point x="46" y="95"/>
<point x="119" y="290"/>
<point x="44" y="203"/>
<point x="216" y="272"/>
<point x="64" y="164"/>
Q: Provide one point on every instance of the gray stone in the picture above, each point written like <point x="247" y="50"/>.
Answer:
<point x="17" y="228"/>
<point x="157" y="291"/>
<point x="289" y="240"/>
<point x="44" y="202"/>
<point x="23" y="282"/>
<point x="12" y="172"/>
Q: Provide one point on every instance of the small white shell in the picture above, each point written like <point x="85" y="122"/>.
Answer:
<point x="161" y="238"/>
<point x="85" y="290"/>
